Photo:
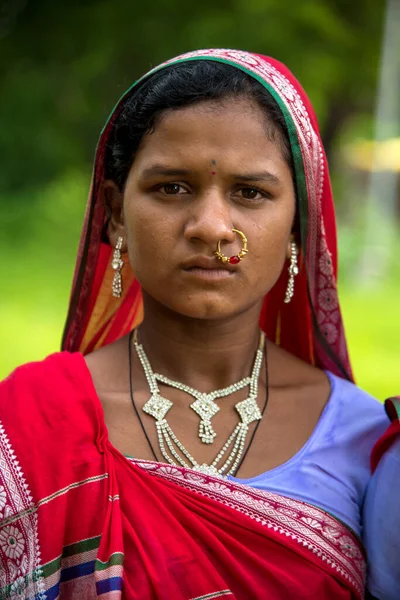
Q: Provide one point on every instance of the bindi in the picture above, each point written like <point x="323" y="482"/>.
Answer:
<point x="213" y="164"/>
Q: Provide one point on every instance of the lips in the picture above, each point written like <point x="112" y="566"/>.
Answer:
<point x="208" y="264"/>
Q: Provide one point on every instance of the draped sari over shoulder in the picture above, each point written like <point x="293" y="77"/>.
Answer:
<point x="79" y="520"/>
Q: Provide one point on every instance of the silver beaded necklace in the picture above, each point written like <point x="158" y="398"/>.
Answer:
<point x="170" y="446"/>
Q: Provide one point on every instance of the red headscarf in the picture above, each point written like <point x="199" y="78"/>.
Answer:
<point x="311" y="326"/>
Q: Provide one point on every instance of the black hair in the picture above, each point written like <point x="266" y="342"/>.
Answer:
<point x="178" y="86"/>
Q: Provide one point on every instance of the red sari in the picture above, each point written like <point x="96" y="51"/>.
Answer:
<point x="80" y="521"/>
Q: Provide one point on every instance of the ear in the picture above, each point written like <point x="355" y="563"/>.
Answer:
<point x="113" y="202"/>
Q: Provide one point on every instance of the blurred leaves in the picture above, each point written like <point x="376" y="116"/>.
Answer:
<point x="64" y="64"/>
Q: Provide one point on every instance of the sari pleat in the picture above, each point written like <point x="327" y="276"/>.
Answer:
<point x="191" y="545"/>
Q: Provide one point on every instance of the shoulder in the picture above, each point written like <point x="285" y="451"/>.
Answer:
<point x="354" y="404"/>
<point x="49" y="404"/>
<point x="57" y="360"/>
<point x="345" y="405"/>
<point x="59" y="363"/>
<point x="45" y="381"/>
<point x="353" y="422"/>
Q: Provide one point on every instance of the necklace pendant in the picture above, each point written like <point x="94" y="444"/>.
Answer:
<point x="157" y="406"/>
<point x="206" y="432"/>
<point x="206" y="409"/>
<point x="248" y="410"/>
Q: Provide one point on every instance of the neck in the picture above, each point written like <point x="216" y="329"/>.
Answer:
<point x="207" y="355"/>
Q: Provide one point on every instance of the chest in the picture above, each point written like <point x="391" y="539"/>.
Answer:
<point x="287" y="422"/>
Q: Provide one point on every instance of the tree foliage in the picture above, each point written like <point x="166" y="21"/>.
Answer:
<point x="63" y="65"/>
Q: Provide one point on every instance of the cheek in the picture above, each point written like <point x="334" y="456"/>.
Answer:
<point x="150" y="238"/>
<point x="268" y="247"/>
<point x="273" y="232"/>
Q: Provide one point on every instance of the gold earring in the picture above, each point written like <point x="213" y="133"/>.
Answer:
<point x="233" y="260"/>
<point x="117" y="263"/>
<point x="293" y="271"/>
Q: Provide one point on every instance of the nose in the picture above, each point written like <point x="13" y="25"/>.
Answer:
<point x="210" y="220"/>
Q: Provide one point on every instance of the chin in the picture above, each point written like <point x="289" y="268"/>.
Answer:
<point x="196" y="308"/>
<point x="208" y="314"/>
<point x="200" y="304"/>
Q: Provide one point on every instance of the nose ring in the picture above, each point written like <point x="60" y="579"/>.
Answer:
<point x="235" y="259"/>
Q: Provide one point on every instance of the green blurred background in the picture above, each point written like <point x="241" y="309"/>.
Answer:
<point x="63" y="65"/>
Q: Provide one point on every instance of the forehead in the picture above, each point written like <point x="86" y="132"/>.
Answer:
<point x="228" y="131"/>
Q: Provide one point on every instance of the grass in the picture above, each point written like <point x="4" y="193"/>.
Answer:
<point x="372" y="326"/>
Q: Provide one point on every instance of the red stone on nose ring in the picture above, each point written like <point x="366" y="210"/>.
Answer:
<point x="235" y="259"/>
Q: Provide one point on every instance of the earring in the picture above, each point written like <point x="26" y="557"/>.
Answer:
<point x="293" y="271"/>
<point x="117" y="263"/>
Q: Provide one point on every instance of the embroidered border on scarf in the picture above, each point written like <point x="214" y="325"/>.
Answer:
<point x="20" y="571"/>
<point x="310" y="526"/>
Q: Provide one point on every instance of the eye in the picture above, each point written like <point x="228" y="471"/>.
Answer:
<point x="250" y="193"/>
<point x="172" y="189"/>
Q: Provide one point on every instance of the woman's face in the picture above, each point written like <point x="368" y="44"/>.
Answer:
<point x="205" y="170"/>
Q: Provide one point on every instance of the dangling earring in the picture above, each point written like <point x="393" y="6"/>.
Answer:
<point x="117" y="263"/>
<point x="293" y="271"/>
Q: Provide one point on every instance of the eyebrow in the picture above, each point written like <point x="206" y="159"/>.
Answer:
<point x="157" y="170"/>
<point x="261" y="176"/>
<point x="160" y="170"/>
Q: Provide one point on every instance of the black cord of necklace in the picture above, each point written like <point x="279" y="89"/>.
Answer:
<point x="132" y="398"/>
<point x="144" y="429"/>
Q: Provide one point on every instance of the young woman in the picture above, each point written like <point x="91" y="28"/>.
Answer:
<point x="200" y="436"/>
